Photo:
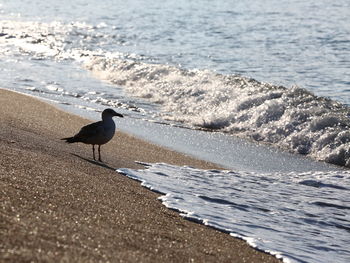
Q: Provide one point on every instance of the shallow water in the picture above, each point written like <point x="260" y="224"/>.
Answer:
<point x="301" y="217"/>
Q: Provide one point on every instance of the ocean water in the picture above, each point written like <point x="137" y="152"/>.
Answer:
<point x="259" y="87"/>
<point x="298" y="217"/>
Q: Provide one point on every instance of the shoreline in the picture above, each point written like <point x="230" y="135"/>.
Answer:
<point x="59" y="205"/>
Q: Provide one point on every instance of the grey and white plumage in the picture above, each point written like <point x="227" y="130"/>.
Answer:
<point x="97" y="133"/>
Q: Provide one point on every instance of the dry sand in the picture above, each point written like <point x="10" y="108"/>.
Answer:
<point x="57" y="205"/>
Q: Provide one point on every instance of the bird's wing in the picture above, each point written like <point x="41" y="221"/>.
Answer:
<point x="90" y="130"/>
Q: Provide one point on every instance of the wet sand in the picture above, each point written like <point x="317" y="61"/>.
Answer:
<point x="57" y="204"/>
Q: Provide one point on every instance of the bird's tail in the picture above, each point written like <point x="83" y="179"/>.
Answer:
<point x="69" y="139"/>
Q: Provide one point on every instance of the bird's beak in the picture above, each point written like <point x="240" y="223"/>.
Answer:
<point x="119" y="115"/>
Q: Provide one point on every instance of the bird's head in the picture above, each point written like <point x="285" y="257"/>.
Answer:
<point x="109" y="113"/>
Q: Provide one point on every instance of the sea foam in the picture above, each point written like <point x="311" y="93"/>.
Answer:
<point x="290" y="118"/>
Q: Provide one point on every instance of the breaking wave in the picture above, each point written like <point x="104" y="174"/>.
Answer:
<point x="290" y="118"/>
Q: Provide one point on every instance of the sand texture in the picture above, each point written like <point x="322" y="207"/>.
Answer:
<point x="57" y="205"/>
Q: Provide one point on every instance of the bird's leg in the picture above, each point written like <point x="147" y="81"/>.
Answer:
<point x="99" y="153"/>
<point x="93" y="151"/>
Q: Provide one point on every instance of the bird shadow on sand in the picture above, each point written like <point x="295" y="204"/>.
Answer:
<point x="95" y="162"/>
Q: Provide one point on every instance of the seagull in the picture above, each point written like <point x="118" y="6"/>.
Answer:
<point x="98" y="133"/>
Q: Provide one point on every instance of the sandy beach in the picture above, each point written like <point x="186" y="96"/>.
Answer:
<point x="58" y="205"/>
